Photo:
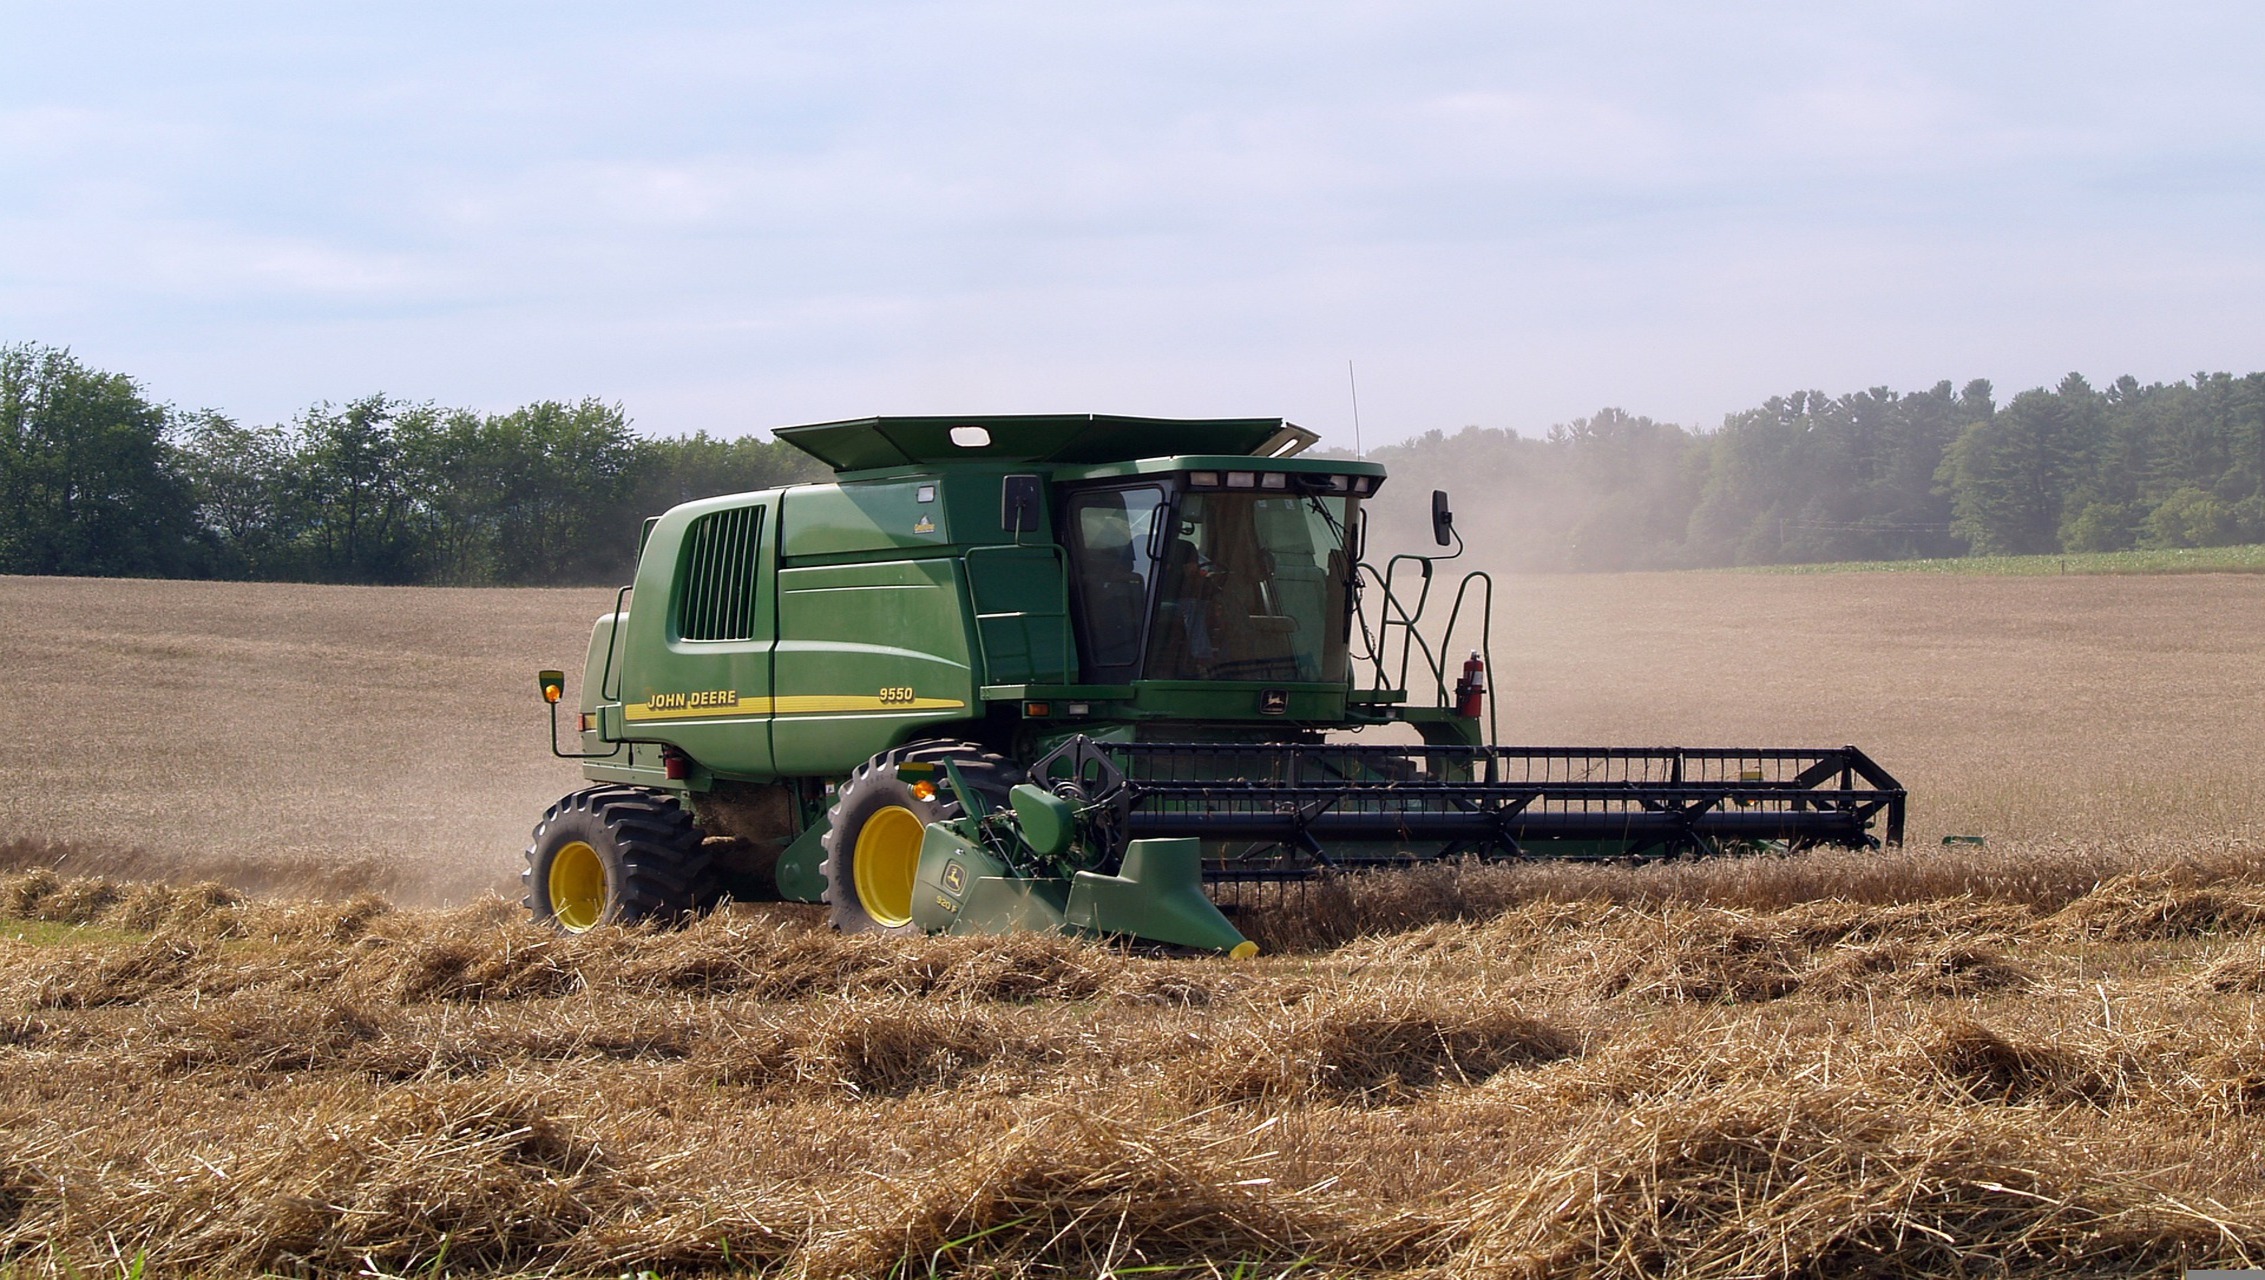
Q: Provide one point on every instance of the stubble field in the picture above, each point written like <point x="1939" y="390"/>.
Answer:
<point x="2038" y="1058"/>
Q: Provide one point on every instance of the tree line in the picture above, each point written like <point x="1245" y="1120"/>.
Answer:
<point x="98" y="479"/>
<point x="1875" y="475"/>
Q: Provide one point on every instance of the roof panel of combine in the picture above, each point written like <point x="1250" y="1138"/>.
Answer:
<point x="868" y="444"/>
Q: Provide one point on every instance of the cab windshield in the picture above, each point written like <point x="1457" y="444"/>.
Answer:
<point x="1211" y="584"/>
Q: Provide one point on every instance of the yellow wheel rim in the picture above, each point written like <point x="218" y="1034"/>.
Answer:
<point x="885" y="861"/>
<point x="578" y="887"/>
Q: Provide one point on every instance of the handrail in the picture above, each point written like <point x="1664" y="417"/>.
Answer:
<point x="613" y="636"/>
<point x="1486" y="638"/>
<point x="1406" y="616"/>
<point x="618" y="743"/>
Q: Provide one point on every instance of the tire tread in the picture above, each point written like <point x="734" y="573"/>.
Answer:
<point x="656" y="844"/>
<point x="983" y="769"/>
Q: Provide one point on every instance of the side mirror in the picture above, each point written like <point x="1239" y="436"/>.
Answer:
<point x="1021" y="499"/>
<point x="1356" y="539"/>
<point x="1442" y="519"/>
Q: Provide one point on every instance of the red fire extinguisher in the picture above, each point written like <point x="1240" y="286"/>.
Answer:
<point x="1470" y="691"/>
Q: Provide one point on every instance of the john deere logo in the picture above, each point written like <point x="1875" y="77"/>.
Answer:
<point x="1274" y="702"/>
<point x="692" y="701"/>
<point x="955" y="878"/>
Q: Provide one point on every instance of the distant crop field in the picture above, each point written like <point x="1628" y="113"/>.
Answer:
<point x="2039" y="1057"/>
<point x="307" y="738"/>
<point x="2243" y="559"/>
<point x="284" y="737"/>
<point x="2017" y="708"/>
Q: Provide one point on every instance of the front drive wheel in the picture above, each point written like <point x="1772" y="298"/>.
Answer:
<point x="613" y="855"/>
<point x="878" y="823"/>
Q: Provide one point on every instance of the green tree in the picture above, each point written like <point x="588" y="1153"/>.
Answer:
<point x="2189" y="517"/>
<point x="2094" y="525"/>
<point x="678" y="469"/>
<point x="2011" y="474"/>
<point x="536" y="495"/>
<point x="562" y="473"/>
<point x="451" y="482"/>
<point x="94" y="478"/>
<point x="349" y="481"/>
<point x="1809" y="477"/>
<point x="240" y="479"/>
<point x="86" y="477"/>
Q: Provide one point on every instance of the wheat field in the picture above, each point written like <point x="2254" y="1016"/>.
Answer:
<point x="260" y="1013"/>
<point x="284" y="737"/>
<point x="287" y="738"/>
<point x="1704" y="1072"/>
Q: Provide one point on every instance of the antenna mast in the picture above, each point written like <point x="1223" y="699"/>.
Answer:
<point x="1355" y="386"/>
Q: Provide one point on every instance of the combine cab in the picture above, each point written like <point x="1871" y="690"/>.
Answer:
<point x="1064" y="672"/>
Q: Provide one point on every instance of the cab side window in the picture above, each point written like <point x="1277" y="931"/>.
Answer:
<point x="1111" y="535"/>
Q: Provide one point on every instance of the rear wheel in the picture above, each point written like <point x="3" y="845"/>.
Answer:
<point x="614" y="855"/>
<point x="878" y="822"/>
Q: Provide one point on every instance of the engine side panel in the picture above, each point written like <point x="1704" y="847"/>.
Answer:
<point x="868" y="656"/>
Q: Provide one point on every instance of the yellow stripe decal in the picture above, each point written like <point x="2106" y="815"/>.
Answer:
<point x="792" y="705"/>
<point x="815" y="703"/>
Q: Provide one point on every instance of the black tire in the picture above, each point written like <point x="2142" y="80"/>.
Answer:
<point x="874" y="789"/>
<point x="614" y="855"/>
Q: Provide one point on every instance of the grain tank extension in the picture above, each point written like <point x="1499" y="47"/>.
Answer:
<point x="1064" y="673"/>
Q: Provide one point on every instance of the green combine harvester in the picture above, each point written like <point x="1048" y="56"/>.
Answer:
<point x="1068" y="673"/>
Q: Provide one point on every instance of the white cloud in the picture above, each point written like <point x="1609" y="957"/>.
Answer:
<point x="1510" y="214"/>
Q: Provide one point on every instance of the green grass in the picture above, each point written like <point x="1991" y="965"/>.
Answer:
<point x="2249" y="559"/>
<point x="49" y="933"/>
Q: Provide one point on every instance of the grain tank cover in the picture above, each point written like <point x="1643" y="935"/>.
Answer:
<point x="1069" y="439"/>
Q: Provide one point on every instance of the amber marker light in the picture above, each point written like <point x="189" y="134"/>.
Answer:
<point x="554" y="685"/>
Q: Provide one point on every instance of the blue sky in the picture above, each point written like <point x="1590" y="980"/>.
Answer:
<point x="736" y="216"/>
